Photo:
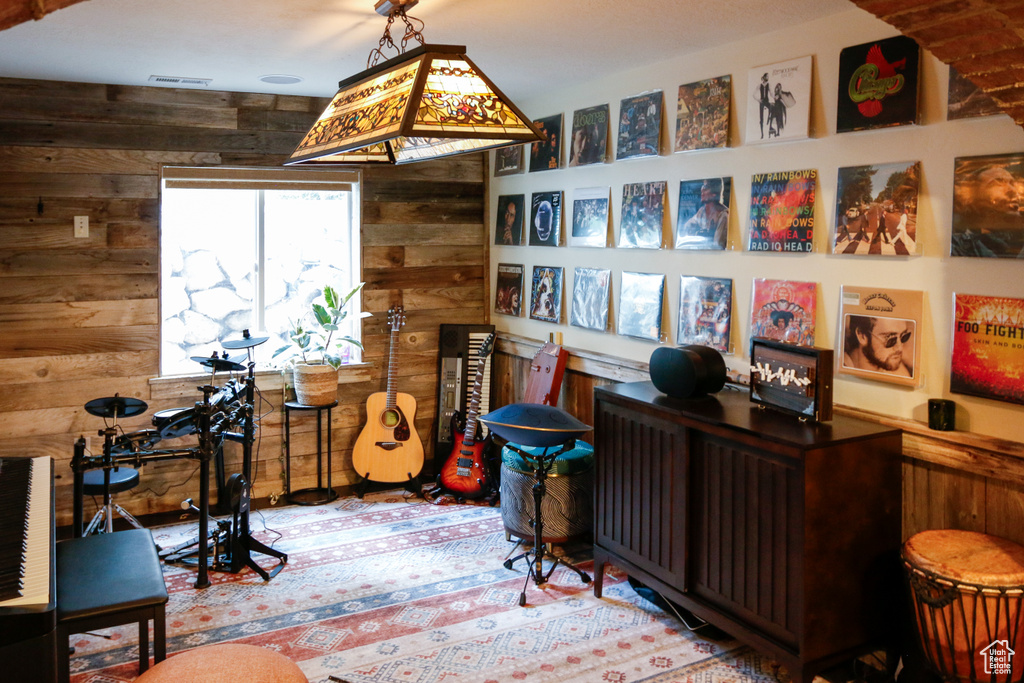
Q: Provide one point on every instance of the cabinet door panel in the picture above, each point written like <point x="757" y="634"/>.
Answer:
<point x="640" y="506"/>
<point x="746" y="537"/>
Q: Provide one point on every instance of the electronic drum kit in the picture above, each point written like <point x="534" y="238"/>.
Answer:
<point x="225" y="413"/>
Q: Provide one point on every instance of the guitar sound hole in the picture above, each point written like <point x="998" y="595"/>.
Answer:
<point x="390" y="418"/>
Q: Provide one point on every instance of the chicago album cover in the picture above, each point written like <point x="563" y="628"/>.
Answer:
<point x="876" y="209"/>
<point x="702" y="114"/>
<point x="641" y="297"/>
<point x="880" y="334"/>
<point x="508" y="290"/>
<point x="546" y="219"/>
<point x="878" y="84"/>
<point x="781" y="106"/>
<point x="589" y="217"/>
<point x="702" y="221"/>
<point x="639" y="126"/>
<point x="643" y="215"/>
<point x="546" y="294"/>
<point x="988" y="347"/>
<point x="705" y="311"/>
<point x="782" y="211"/>
<point x="590" y="288"/>
<point x="589" y="141"/>
<point x="783" y="310"/>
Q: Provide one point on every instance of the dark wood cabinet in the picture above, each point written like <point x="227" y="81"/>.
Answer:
<point x="785" y="534"/>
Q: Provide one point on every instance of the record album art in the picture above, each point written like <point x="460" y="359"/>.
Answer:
<point x="880" y="334"/>
<point x="509" y="160"/>
<point x="546" y="294"/>
<point x="508" y="227"/>
<point x="590" y="290"/>
<point x="988" y="213"/>
<point x="546" y="219"/>
<point x="703" y="218"/>
<point x="780" y="101"/>
<point x="546" y="155"/>
<point x="641" y="297"/>
<point x="878" y="84"/>
<point x="508" y="290"/>
<point x="705" y="311"/>
<point x="589" y="217"/>
<point x="783" y="310"/>
<point x="782" y="211"/>
<point x="589" y="141"/>
<point x="966" y="100"/>
<point x="876" y="209"/>
<point x="702" y="114"/>
<point x="988" y="347"/>
<point x="643" y="215"/>
<point x="639" y="126"/>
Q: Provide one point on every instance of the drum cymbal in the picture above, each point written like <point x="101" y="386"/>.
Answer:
<point x="245" y="342"/>
<point x="115" y="406"/>
<point x="218" y="364"/>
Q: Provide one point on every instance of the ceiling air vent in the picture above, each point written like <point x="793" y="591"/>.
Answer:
<point x="180" y="80"/>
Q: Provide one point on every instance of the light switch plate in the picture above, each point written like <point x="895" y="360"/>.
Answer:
<point x="81" y="226"/>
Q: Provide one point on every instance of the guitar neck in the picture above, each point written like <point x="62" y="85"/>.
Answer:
<point x="392" y="370"/>
<point x="474" y="404"/>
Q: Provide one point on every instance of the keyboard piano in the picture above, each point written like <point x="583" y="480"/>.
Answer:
<point x="459" y="355"/>
<point x="28" y="596"/>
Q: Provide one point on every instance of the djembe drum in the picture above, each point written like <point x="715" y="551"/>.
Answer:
<point x="967" y="595"/>
<point x="567" y="504"/>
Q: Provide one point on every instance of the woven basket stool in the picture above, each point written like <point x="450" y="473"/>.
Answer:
<point x="567" y="507"/>
<point x="225" y="663"/>
<point x="967" y="595"/>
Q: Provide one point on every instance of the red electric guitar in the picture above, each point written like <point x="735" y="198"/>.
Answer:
<point x="465" y="474"/>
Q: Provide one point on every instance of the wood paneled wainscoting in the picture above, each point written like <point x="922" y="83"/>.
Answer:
<point x="951" y="480"/>
<point x="79" y="317"/>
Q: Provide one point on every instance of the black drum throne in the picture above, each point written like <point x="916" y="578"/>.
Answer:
<point x="552" y="432"/>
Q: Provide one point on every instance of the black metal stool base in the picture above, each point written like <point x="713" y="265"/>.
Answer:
<point x="536" y="568"/>
<point x="312" y="496"/>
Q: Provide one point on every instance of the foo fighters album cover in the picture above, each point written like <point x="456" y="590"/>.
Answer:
<point x="878" y="84"/>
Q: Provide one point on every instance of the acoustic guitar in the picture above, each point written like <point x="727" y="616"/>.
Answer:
<point x="465" y="473"/>
<point x="388" y="448"/>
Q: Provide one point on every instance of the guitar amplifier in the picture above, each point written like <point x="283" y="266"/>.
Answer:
<point x="456" y="368"/>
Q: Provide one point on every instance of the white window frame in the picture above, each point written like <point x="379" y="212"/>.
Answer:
<point x="256" y="178"/>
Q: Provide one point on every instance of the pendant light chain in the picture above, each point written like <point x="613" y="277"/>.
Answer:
<point x="413" y="29"/>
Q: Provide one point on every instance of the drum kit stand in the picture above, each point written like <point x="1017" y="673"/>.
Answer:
<point x="224" y="414"/>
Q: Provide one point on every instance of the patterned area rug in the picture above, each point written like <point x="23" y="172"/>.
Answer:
<point x="394" y="589"/>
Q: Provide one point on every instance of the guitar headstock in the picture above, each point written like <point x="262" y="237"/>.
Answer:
<point x="487" y="346"/>
<point x="396" y="318"/>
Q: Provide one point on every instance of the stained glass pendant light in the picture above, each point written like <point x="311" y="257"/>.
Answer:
<point x="426" y="103"/>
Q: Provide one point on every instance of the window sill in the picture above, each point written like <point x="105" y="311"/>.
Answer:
<point x="185" y="386"/>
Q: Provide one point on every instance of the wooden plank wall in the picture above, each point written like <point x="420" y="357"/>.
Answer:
<point x="79" y="317"/>
<point x="951" y="480"/>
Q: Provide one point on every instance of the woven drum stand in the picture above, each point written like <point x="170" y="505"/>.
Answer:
<point x="967" y="599"/>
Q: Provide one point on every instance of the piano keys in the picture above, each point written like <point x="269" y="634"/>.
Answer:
<point x="457" y="361"/>
<point x="28" y="608"/>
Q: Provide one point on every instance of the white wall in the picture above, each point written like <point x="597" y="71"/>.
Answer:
<point x="935" y="142"/>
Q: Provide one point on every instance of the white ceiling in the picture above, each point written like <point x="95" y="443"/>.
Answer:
<point x="520" y="44"/>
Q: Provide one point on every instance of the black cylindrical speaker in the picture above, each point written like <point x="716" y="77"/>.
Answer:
<point x="687" y="371"/>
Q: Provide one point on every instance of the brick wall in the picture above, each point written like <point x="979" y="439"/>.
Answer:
<point x="982" y="39"/>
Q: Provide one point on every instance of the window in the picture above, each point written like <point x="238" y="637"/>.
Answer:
<point x="250" y="249"/>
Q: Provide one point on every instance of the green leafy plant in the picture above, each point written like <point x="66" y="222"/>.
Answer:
<point x="316" y="343"/>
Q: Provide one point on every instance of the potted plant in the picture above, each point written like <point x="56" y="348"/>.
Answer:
<point x="315" y="351"/>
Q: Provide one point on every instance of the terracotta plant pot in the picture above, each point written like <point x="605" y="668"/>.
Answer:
<point x="315" y="385"/>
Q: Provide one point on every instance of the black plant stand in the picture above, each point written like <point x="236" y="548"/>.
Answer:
<point x="319" y="494"/>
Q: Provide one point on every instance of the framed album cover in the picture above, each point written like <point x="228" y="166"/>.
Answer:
<point x="546" y="155"/>
<point x="589" y="143"/>
<point x="639" y="126"/>
<point x="781" y="107"/>
<point x="878" y="84"/>
<point x="546" y="294"/>
<point x="987" y="222"/>
<point x="876" y="209"/>
<point x="793" y="379"/>
<point x="508" y="160"/>
<point x="880" y="332"/>
<point x="508" y="226"/>
<point x="988" y="347"/>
